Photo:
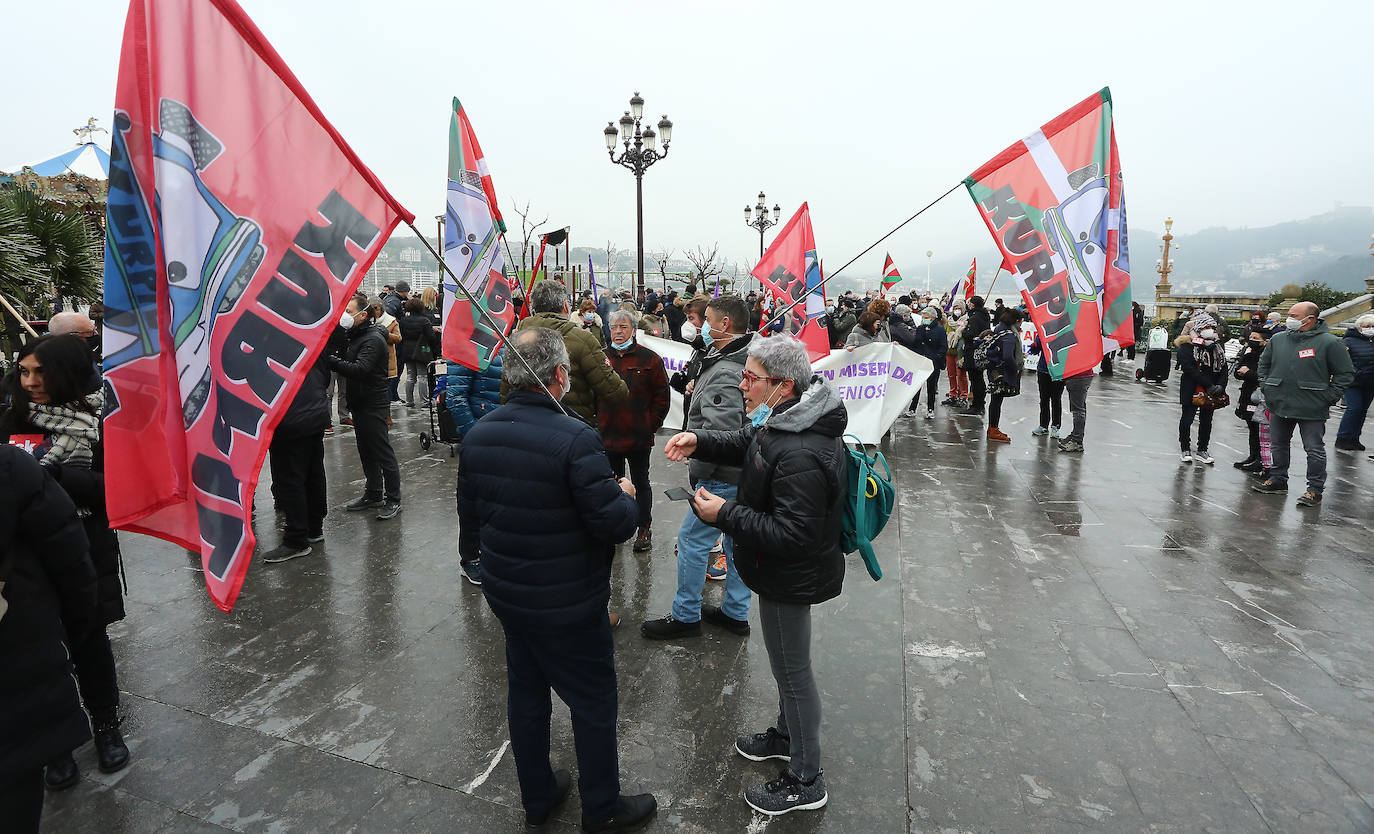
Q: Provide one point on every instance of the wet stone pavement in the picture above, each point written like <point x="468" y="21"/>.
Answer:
<point x="1106" y="642"/>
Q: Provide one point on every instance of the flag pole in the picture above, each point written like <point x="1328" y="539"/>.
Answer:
<point x="22" y="322"/>
<point x="995" y="276"/>
<point x="871" y="247"/>
<point x="495" y="325"/>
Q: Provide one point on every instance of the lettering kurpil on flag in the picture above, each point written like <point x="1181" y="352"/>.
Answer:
<point x="790" y="273"/>
<point x="239" y="222"/>
<point x="1055" y="205"/>
<point x="472" y="251"/>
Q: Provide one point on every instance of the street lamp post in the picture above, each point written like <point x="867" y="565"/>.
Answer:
<point x="762" y="223"/>
<point x="929" y="255"/>
<point x="640" y="152"/>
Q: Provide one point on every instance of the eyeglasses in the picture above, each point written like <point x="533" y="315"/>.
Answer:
<point x="750" y="378"/>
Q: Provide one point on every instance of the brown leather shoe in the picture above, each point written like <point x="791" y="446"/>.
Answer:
<point x="998" y="436"/>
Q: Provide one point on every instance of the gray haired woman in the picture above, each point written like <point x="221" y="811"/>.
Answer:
<point x="785" y="521"/>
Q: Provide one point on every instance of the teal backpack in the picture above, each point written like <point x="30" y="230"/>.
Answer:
<point x="871" y="497"/>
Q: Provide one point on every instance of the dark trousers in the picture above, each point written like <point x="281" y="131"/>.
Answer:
<point x="978" y="390"/>
<point x="95" y="673"/>
<point x="787" y="637"/>
<point x="1313" y="442"/>
<point x="932" y="388"/>
<point x="1253" y="428"/>
<point x="1078" y="404"/>
<point x="21" y="802"/>
<point x="378" y="458"/>
<point x="1185" y="427"/>
<point x="1357" y="399"/>
<point x="1051" y="400"/>
<point x="995" y="411"/>
<point x="299" y="486"/>
<point x="638" y="461"/>
<point x="578" y="664"/>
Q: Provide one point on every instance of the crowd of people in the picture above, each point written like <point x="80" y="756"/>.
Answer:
<point x="563" y="426"/>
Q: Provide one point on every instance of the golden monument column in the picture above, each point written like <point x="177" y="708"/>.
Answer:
<point x="1163" y="289"/>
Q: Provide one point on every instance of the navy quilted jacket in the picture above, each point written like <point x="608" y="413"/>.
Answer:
<point x="538" y="504"/>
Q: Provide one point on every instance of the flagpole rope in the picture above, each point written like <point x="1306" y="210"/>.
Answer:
<point x="785" y="310"/>
<point x="491" y="321"/>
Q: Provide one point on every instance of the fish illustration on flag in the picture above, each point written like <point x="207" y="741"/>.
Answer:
<point x="890" y="274"/>
<point x="791" y="274"/>
<point x="238" y="224"/>
<point x="472" y="252"/>
<point x="1055" y="205"/>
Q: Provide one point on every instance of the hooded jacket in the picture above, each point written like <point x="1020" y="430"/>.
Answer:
<point x="1249" y="381"/>
<point x="470" y="395"/>
<point x="51" y="591"/>
<point x="593" y="378"/>
<point x="786" y="517"/>
<point x="1304" y="372"/>
<point x="538" y="504"/>
<point x="1361" y="349"/>
<point x="717" y="404"/>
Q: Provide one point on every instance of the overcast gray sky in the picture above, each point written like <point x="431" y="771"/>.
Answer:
<point x="1227" y="113"/>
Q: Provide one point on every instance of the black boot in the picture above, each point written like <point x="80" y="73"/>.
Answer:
<point x="110" y="749"/>
<point x="1245" y="464"/>
<point x="61" y="773"/>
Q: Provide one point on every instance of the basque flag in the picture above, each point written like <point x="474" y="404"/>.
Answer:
<point x="238" y="223"/>
<point x="1055" y="205"/>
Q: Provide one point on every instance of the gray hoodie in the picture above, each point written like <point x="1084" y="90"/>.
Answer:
<point x="718" y="404"/>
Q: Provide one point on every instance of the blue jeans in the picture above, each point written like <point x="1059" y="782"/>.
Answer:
<point x="694" y="540"/>
<point x="1281" y="439"/>
<point x="1357" y="401"/>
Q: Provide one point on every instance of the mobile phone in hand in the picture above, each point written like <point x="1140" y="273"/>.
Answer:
<point x="678" y="494"/>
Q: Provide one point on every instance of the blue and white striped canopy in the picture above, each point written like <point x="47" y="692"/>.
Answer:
<point x="88" y="160"/>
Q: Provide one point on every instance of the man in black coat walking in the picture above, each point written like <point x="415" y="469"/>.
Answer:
<point x="364" y="366"/>
<point x="538" y="503"/>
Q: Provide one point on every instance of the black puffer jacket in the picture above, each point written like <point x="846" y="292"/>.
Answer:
<point x="786" y="518"/>
<point x="976" y="324"/>
<point x="417" y="329"/>
<point x="365" y="366"/>
<point x="538" y="503"/>
<point x="85" y="486"/>
<point x="1361" y="349"/>
<point x="1194" y="376"/>
<point x="1249" y="381"/>
<point x="51" y="584"/>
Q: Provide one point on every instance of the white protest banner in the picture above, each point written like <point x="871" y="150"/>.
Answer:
<point x="876" y="382"/>
<point x="675" y="356"/>
<point x="1029" y="361"/>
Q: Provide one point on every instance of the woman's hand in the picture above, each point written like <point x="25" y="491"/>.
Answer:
<point x="706" y="505"/>
<point x="681" y="446"/>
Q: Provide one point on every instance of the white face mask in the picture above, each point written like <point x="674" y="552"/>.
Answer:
<point x="1209" y="335"/>
<point x="1293" y="324"/>
<point x="346" y="320"/>
<point x="689" y="331"/>
<point x="1367" y="331"/>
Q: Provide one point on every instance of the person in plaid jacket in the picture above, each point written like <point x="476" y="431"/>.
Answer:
<point x="628" y="427"/>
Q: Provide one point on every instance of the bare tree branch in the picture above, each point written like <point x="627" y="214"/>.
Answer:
<point x="706" y="263"/>
<point x="527" y="229"/>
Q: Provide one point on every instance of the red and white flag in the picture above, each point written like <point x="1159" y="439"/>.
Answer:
<point x="239" y="224"/>
<point x="791" y="274"/>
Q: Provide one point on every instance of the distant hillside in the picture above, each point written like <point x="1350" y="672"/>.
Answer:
<point x="1331" y="247"/>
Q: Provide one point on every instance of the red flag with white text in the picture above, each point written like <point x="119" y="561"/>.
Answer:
<point x="790" y="273"/>
<point x="239" y="222"/>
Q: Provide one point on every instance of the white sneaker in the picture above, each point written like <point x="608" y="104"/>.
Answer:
<point x="930" y="414"/>
<point x="1203" y="457"/>
<point x="1186" y="457"/>
<point x="1054" y="432"/>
